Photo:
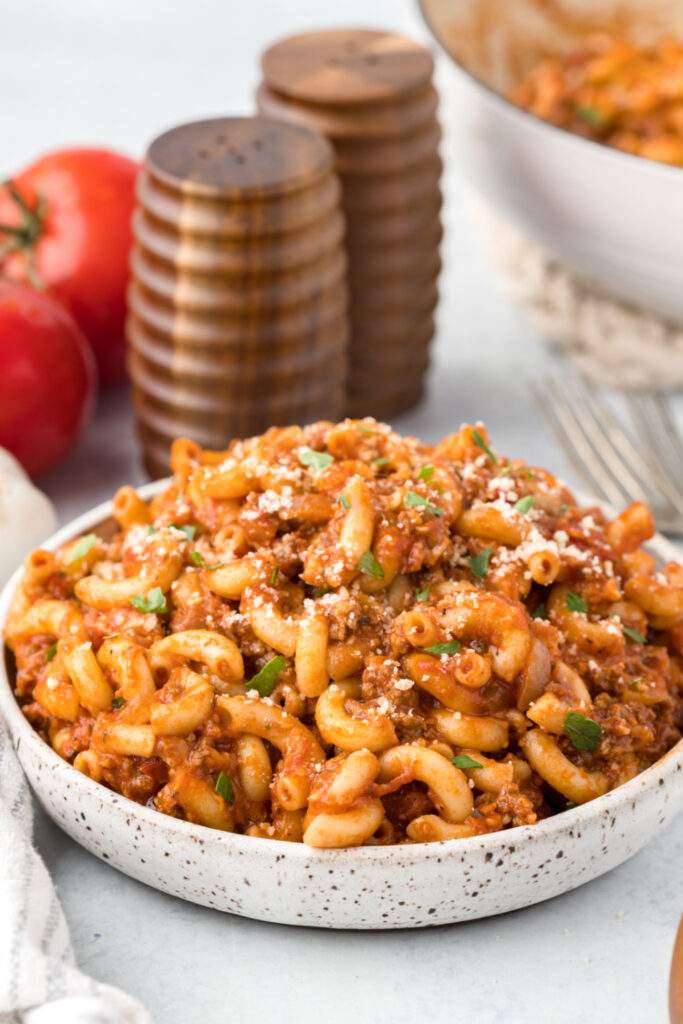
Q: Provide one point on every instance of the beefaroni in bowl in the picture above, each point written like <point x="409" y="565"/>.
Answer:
<point x="610" y="216"/>
<point x="335" y="637"/>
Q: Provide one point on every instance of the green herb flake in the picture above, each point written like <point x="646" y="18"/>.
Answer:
<point x="584" y="733"/>
<point x="564" y="508"/>
<point x="369" y="566"/>
<point x="189" y="531"/>
<point x="153" y="601"/>
<point x="151" y="530"/>
<point x="591" y="116"/>
<point x="50" y="652"/>
<point x="423" y="595"/>
<point x="381" y="461"/>
<point x="479" y="564"/>
<point x="541" y="612"/>
<point x="415" y="500"/>
<point x="481" y="443"/>
<point x="317" y="461"/>
<point x="426" y="473"/>
<point x="274" y="576"/>
<point x="450" y="647"/>
<point x="321" y="591"/>
<point x="343" y="500"/>
<point x="117" y="702"/>
<point x="224" y="788"/>
<point x="82" y="547"/>
<point x="575" y="603"/>
<point x="465" y="762"/>
<point x="197" y="560"/>
<point x="265" y="681"/>
<point x="525" y="505"/>
<point x="634" y="635"/>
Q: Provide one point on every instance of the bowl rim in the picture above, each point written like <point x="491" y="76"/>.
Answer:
<point x="533" y="121"/>
<point x="22" y="733"/>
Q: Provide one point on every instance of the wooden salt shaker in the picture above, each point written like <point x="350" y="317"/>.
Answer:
<point x="371" y="94"/>
<point x="238" y="303"/>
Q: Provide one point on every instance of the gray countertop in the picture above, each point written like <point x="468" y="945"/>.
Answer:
<point x="89" y="70"/>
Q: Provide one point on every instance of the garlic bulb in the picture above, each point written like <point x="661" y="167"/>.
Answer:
<point x="27" y="516"/>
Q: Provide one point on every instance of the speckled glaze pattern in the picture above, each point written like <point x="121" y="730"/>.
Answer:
<point x="410" y="886"/>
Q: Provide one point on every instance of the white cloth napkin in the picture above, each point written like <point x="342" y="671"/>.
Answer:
<point x="39" y="980"/>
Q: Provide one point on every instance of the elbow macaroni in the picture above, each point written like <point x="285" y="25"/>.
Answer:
<point x="334" y="635"/>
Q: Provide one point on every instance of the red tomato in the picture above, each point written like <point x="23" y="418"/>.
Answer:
<point x="69" y="216"/>
<point x="47" y="377"/>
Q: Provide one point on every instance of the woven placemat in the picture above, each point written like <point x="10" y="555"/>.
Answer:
<point x="609" y="341"/>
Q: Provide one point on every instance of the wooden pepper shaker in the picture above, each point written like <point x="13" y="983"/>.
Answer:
<point x="371" y="94"/>
<point x="238" y="303"/>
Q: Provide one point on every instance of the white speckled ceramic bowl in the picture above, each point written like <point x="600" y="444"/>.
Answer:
<point x="375" y="887"/>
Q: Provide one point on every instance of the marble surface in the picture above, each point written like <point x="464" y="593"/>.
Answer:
<point x="83" y="70"/>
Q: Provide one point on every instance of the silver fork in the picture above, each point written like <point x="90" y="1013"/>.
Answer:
<point x="605" y="456"/>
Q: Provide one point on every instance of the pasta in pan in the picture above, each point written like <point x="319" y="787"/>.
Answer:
<point x="336" y="635"/>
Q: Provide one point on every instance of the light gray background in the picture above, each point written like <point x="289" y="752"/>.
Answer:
<point x="116" y="72"/>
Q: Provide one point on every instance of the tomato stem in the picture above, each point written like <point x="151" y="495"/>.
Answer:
<point x="23" y="237"/>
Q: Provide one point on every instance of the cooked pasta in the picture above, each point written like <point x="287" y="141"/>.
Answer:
<point x="613" y="91"/>
<point x="337" y="635"/>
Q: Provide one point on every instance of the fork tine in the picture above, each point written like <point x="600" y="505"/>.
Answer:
<point x="596" y="444"/>
<point x="624" y="460"/>
<point x="563" y="422"/>
<point x="651" y="414"/>
<point x="612" y="449"/>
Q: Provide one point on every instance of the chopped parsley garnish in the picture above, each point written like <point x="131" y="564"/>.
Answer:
<point x="524" y="505"/>
<point x="634" y="635"/>
<point x="152" y="601"/>
<point x="343" y="500"/>
<point x="415" y="500"/>
<point x="275" y="575"/>
<point x="575" y="603"/>
<point x="422" y="595"/>
<point x="189" y="531"/>
<point x="584" y="733"/>
<point x="564" y="508"/>
<point x="465" y="761"/>
<point x="426" y="473"/>
<point x="450" y="647"/>
<point x="117" y="702"/>
<point x="321" y="591"/>
<point x="201" y="563"/>
<point x="481" y="443"/>
<point x="151" y="530"/>
<point x="265" y="681"/>
<point x="317" y="461"/>
<point x="381" y="461"/>
<point x="50" y="652"/>
<point x="479" y="564"/>
<point x="369" y="566"/>
<point x="82" y="547"/>
<point x="224" y="788"/>
<point x="541" y="612"/>
<point x="592" y="116"/>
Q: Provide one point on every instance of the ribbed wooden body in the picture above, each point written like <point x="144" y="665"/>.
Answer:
<point x="238" y="315"/>
<point x="371" y="94"/>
